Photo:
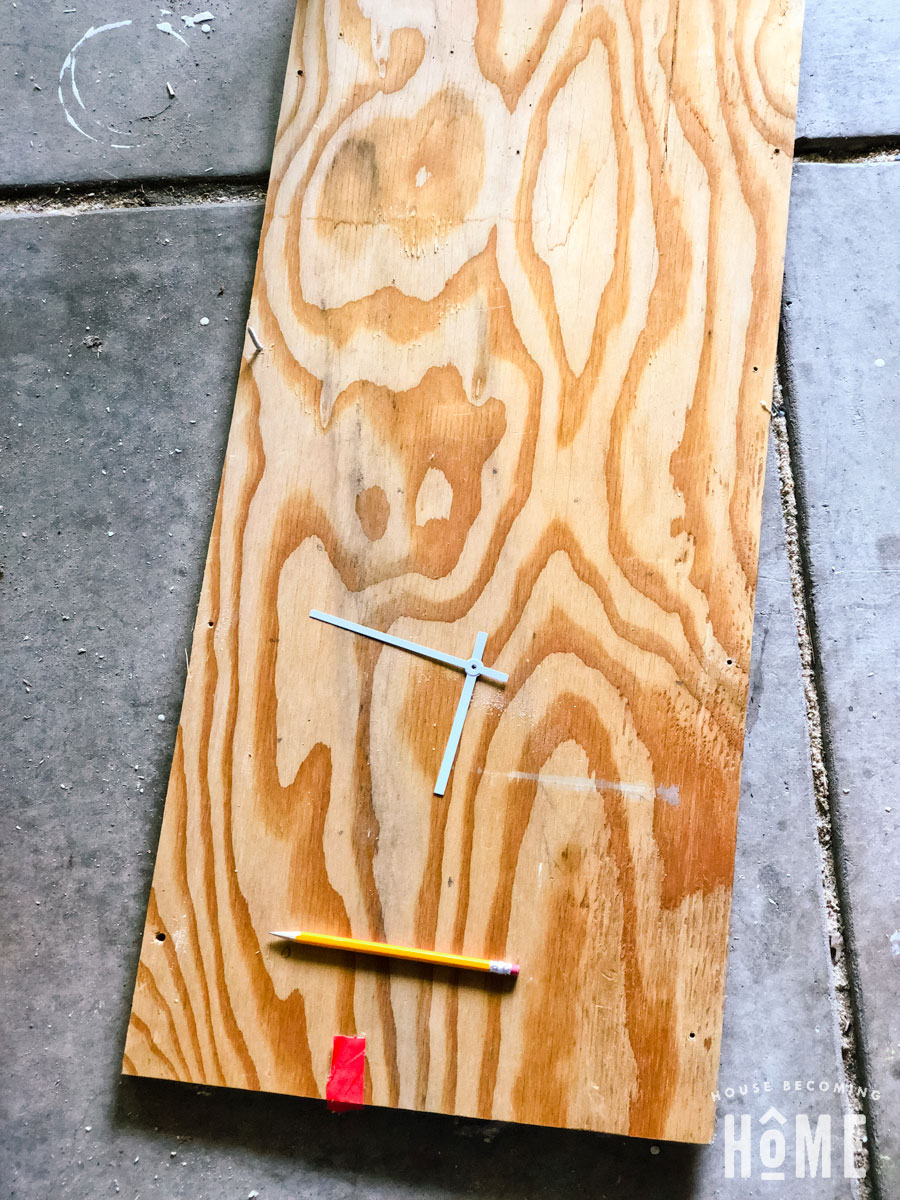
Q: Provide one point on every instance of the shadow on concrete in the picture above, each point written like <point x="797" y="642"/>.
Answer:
<point x="418" y="1154"/>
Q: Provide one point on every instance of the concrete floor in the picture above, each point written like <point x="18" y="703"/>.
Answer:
<point x="116" y="406"/>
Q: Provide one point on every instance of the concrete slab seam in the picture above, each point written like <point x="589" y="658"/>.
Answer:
<point x="157" y="193"/>
<point x="849" y="150"/>
<point x="101" y="195"/>
<point x="845" y="1000"/>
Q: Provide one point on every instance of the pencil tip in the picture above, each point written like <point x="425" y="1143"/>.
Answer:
<point x="275" y="933"/>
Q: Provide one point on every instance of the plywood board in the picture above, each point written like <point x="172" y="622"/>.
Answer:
<point x="518" y="292"/>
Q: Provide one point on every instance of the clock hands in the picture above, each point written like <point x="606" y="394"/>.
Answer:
<point x="473" y="667"/>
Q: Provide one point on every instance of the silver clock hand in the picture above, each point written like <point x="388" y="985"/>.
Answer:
<point x="450" y="660"/>
<point x="459" y="718"/>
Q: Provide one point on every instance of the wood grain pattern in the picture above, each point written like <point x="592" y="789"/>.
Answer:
<point x="518" y="290"/>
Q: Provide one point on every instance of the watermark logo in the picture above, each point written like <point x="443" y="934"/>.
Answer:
<point x="800" y="1147"/>
<point x="806" y="1145"/>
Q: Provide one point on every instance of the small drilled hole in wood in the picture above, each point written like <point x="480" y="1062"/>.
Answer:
<point x="210" y="624"/>
<point x="729" y="661"/>
<point x="161" y="937"/>
<point x="692" y="1035"/>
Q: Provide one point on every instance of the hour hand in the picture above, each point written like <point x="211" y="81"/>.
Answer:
<point x="388" y="639"/>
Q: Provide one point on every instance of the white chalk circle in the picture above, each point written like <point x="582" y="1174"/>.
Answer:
<point x="122" y="78"/>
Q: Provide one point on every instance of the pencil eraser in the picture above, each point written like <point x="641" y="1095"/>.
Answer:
<point x="513" y="968"/>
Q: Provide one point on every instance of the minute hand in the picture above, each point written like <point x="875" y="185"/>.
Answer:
<point x="450" y="660"/>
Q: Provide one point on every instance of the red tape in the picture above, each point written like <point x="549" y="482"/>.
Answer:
<point x="344" y="1090"/>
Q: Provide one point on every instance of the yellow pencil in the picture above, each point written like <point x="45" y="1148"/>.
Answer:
<point x="355" y="945"/>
